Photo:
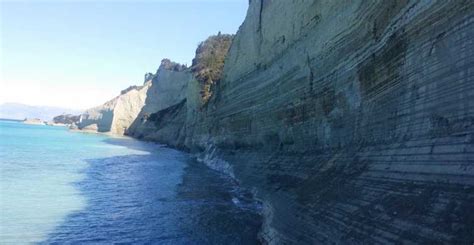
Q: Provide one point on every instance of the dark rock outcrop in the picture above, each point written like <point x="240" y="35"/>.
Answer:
<point x="166" y="126"/>
<point x="66" y="119"/>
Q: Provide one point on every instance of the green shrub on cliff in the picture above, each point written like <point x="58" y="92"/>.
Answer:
<point x="209" y="62"/>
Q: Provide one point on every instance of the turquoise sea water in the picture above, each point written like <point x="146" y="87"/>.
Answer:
<point x="61" y="187"/>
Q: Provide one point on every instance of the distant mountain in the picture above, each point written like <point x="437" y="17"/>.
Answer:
<point x="21" y="111"/>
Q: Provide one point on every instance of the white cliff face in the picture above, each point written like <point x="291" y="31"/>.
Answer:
<point x="127" y="108"/>
<point x="165" y="102"/>
<point x="100" y="116"/>
<point x="116" y="115"/>
<point x="167" y="88"/>
<point x="128" y="112"/>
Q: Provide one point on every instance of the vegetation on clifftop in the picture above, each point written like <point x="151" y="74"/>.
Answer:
<point x="209" y="62"/>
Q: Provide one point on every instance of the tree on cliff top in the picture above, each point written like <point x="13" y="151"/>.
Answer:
<point x="209" y="62"/>
<point x="167" y="64"/>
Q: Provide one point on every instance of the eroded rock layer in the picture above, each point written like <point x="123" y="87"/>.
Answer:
<point x="353" y="122"/>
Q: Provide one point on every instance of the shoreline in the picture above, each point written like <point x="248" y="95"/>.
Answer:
<point x="214" y="162"/>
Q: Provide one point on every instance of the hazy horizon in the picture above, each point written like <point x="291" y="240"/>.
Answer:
<point x="81" y="54"/>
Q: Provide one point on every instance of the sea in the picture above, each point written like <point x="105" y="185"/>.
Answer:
<point x="63" y="187"/>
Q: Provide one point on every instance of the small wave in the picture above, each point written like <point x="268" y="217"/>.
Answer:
<point x="211" y="159"/>
<point x="242" y="198"/>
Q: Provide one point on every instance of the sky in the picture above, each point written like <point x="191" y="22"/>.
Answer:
<point x="79" y="54"/>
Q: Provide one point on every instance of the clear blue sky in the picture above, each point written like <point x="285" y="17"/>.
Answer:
<point x="51" y="48"/>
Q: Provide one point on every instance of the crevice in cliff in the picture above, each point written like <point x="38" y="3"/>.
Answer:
<point x="259" y="27"/>
<point x="260" y="12"/>
<point x="310" y="75"/>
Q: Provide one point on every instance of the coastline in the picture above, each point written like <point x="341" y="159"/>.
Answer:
<point x="67" y="191"/>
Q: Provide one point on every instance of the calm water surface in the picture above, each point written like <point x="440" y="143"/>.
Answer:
<point x="62" y="187"/>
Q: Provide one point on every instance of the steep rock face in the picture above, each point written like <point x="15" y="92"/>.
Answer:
<point x="163" y="115"/>
<point x="207" y="72"/>
<point x="353" y="122"/>
<point x="168" y="87"/>
<point x="116" y="115"/>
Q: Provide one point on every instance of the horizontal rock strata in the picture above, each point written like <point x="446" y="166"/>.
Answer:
<point x="353" y="122"/>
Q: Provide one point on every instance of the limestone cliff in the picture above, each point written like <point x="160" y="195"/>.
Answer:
<point x="162" y="117"/>
<point x="352" y="121"/>
<point x="116" y="115"/>
<point x="178" y="95"/>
